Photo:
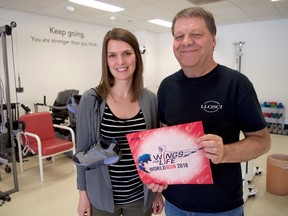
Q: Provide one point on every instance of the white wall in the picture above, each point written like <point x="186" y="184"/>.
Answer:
<point x="150" y="58"/>
<point x="47" y="67"/>
<point x="264" y="60"/>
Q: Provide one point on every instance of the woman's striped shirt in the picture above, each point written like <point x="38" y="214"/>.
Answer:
<point x="126" y="184"/>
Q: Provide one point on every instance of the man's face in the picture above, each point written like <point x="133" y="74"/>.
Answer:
<point x="193" y="43"/>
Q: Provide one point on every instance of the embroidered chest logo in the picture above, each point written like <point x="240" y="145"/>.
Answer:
<point x="211" y="106"/>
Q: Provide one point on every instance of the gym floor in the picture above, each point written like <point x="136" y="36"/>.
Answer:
<point x="58" y="194"/>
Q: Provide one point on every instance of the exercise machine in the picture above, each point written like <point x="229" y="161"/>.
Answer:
<point x="7" y="143"/>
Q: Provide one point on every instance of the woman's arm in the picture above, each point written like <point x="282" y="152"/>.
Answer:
<point x="84" y="207"/>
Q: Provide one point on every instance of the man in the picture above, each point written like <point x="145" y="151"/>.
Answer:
<point x="226" y="102"/>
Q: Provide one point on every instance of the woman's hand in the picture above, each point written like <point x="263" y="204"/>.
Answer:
<point x="84" y="207"/>
<point x="158" y="204"/>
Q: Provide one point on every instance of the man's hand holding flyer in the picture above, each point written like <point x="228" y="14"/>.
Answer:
<point x="170" y="155"/>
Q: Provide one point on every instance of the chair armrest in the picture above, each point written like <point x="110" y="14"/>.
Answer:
<point x="31" y="135"/>
<point x="58" y="107"/>
<point x="67" y="128"/>
<point x="37" y="139"/>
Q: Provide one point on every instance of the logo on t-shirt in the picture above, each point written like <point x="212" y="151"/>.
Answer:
<point x="211" y="106"/>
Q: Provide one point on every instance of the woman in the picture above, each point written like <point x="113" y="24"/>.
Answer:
<point x="124" y="106"/>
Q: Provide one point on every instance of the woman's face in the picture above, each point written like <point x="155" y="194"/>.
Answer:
<point x="121" y="59"/>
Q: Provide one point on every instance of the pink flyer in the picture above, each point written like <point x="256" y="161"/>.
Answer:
<point x="170" y="155"/>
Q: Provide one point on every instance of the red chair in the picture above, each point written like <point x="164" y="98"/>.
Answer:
<point x="39" y="134"/>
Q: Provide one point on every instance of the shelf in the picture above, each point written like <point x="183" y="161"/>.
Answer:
<point x="274" y="115"/>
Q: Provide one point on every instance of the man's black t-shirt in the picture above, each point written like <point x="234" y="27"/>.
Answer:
<point x="226" y="102"/>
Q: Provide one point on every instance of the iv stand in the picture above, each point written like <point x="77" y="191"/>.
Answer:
<point x="6" y="30"/>
<point x="239" y="54"/>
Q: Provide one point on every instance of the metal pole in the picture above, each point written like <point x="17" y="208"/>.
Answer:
<point x="238" y="49"/>
<point x="6" y="30"/>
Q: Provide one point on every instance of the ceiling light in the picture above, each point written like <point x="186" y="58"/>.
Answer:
<point x="70" y="8"/>
<point x="161" y="22"/>
<point x="112" y="18"/>
<point x="97" y="5"/>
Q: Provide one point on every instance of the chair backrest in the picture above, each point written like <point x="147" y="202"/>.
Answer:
<point x="63" y="96"/>
<point x="39" y="123"/>
<point x="60" y="115"/>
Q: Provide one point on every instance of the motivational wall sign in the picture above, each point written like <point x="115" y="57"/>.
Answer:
<point x="64" y="37"/>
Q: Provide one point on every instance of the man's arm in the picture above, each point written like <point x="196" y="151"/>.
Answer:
<point x="252" y="146"/>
